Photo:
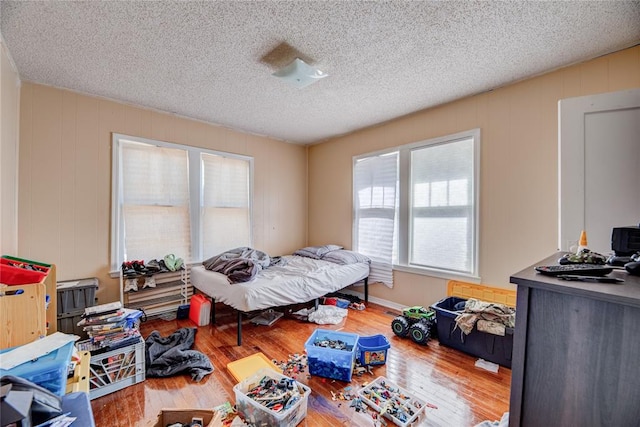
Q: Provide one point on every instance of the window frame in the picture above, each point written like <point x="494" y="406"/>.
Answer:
<point x="196" y="195"/>
<point x="401" y="261"/>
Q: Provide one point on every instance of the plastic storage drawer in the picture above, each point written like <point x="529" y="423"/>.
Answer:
<point x="76" y="295"/>
<point x="48" y="371"/>
<point x="259" y="415"/>
<point x="331" y="362"/>
<point x="69" y="325"/>
<point x="494" y="348"/>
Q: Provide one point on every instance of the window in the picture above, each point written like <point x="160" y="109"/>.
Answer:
<point x="375" y="192"/>
<point x="170" y="198"/>
<point x="434" y="209"/>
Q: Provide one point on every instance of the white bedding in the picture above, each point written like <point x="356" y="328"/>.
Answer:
<point x="300" y="280"/>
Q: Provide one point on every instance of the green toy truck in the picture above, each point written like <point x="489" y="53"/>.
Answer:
<point x="417" y="322"/>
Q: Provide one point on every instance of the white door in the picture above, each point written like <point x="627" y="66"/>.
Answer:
<point x="599" y="148"/>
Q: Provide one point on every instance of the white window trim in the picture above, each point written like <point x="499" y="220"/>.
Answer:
<point x="403" y="207"/>
<point x="195" y="187"/>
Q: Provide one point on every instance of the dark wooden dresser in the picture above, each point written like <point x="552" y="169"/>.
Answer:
<point x="576" y="353"/>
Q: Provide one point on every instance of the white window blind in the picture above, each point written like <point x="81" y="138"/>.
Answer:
<point x="417" y="207"/>
<point x="375" y="197"/>
<point x="155" y="202"/>
<point x="226" y="212"/>
<point x="176" y="199"/>
<point x="441" y="210"/>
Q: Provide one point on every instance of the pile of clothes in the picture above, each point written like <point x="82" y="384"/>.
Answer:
<point x="486" y="317"/>
<point x="240" y="264"/>
<point x="166" y="356"/>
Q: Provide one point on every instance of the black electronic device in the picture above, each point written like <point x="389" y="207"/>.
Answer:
<point x="625" y="241"/>
<point x="574" y="269"/>
<point x="633" y="268"/>
<point x="602" y="279"/>
<point x="618" y="261"/>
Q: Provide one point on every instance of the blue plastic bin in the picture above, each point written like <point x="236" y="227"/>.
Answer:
<point x="372" y="350"/>
<point x="48" y="371"/>
<point x="329" y="362"/>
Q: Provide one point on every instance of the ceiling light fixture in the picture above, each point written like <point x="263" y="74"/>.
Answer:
<point x="300" y="74"/>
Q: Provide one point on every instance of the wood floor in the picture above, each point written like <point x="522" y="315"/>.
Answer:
<point x="457" y="393"/>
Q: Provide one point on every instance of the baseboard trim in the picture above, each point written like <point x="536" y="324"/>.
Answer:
<point x="375" y="300"/>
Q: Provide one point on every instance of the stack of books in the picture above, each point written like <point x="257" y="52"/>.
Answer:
<point x="109" y="326"/>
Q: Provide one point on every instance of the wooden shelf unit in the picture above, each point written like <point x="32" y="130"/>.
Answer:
<point x="172" y="290"/>
<point x="51" y="284"/>
<point x="25" y="317"/>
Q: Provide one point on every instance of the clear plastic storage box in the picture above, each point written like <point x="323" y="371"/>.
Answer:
<point x="257" y="414"/>
<point x="48" y="371"/>
<point x="400" y="406"/>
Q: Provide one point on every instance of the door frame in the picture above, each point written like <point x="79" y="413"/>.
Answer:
<point x="571" y="152"/>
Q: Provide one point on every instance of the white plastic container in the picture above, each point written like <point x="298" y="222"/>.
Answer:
<point x="116" y="369"/>
<point x="401" y="407"/>
<point x="255" y="413"/>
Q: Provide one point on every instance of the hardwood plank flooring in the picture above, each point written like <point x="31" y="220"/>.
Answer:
<point x="457" y="393"/>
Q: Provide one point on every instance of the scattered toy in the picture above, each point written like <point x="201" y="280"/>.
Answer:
<point x="417" y="322"/>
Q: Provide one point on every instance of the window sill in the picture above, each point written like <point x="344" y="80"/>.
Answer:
<point x="441" y="274"/>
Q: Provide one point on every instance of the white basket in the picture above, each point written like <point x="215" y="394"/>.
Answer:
<point x="116" y="369"/>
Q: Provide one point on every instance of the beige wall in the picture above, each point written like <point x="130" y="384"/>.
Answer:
<point x="9" y="109"/>
<point x="519" y="179"/>
<point x="65" y="179"/>
<point x="65" y="175"/>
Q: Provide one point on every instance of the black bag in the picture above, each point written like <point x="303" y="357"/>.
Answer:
<point x="45" y="404"/>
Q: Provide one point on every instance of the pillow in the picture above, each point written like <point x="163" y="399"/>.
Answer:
<point x="345" y="257"/>
<point x="316" y="252"/>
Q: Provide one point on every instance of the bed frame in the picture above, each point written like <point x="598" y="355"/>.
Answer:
<point x="240" y="312"/>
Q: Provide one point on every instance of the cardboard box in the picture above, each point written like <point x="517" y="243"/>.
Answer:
<point x="185" y="415"/>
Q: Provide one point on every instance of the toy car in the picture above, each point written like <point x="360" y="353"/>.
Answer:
<point x="417" y="322"/>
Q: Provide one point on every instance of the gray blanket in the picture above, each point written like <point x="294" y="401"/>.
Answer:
<point x="239" y="264"/>
<point x="173" y="355"/>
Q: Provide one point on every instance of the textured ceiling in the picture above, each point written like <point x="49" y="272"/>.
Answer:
<point x="213" y="60"/>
